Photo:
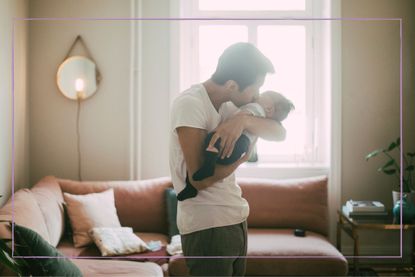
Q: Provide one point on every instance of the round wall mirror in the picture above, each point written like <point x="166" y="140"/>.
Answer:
<point x="78" y="77"/>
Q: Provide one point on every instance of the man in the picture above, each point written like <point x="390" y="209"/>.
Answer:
<point x="214" y="222"/>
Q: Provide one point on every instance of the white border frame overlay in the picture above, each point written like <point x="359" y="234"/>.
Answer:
<point x="336" y="136"/>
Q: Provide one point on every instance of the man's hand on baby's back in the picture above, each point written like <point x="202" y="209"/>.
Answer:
<point x="228" y="132"/>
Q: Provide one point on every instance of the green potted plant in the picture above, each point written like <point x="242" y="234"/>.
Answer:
<point x="6" y="257"/>
<point x="391" y="167"/>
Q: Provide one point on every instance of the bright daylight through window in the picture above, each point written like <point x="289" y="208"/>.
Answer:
<point x="298" y="50"/>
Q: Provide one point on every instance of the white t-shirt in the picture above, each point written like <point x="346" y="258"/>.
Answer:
<point x="254" y="109"/>
<point x="220" y="204"/>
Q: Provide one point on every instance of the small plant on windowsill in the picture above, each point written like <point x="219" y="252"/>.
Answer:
<point x="391" y="167"/>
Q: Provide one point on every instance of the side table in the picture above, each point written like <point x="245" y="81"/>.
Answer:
<point x="351" y="227"/>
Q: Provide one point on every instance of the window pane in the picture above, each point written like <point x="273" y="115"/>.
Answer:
<point x="252" y="5"/>
<point x="213" y="40"/>
<point x="285" y="46"/>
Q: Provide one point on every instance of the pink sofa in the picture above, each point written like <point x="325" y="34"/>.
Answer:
<point x="276" y="208"/>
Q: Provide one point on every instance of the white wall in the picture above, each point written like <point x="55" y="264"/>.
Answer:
<point x="369" y="81"/>
<point x="10" y="9"/>
<point x="104" y="122"/>
<point x="370" y="100"/>
<point x="155" y="90"/>
<point x="106" y="119"/>
<point x="371" y="92"/>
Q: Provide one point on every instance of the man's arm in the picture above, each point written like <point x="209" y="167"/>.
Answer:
<point x="230" y="130"/>
<point x="192" y="142"/>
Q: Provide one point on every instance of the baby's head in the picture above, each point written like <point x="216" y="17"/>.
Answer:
<point x="276" y="106"/>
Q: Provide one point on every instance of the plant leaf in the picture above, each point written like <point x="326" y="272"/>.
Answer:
<point x="410" y="168"/>
<point x="398" y="141"/>
<point x="6" y="258"/>
<point x="388" y="164"/>
<point x="411" y="154"/>
<point x="374" y="153"/>
<point x="387" y="171"/>
<point x="392" y="146"/>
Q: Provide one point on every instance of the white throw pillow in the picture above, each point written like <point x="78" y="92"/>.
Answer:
<point x="117" y="241"/>
<point x="175" y="246"/>
<point x="88" y="211"/>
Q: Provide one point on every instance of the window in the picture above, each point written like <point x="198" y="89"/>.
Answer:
<point x="297" y="48"/>
<point x="249" y="5"/>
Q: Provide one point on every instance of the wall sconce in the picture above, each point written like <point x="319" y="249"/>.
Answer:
<point x="78" y="78"/>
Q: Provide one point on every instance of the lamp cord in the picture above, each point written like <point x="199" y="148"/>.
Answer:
<point x="78" y="139"/>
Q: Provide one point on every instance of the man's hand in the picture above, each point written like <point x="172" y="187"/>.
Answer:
<point x="228" y="132"/>
<point x="223" y="171"/>
<point x="191" y="141"/>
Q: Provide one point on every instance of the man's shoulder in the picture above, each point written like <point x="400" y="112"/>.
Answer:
<point x="191" y="96"/>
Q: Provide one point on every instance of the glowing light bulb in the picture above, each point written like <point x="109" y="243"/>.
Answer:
<point x="79" y="84"/>
<point x="79" y="87"/>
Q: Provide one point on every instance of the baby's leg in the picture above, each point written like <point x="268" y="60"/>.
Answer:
<point x="210" y="156"/>
<point x="241" y="147"/>
<point x="188" y="192"/>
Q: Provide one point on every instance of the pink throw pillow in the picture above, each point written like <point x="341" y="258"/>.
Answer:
<point x="88" y="211"/>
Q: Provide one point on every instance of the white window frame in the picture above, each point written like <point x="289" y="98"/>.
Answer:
<point x="331" y="11"/>
<point x="187" y="10"/>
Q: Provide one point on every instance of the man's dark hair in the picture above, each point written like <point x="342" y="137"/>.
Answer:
<point x="243" y="63"/>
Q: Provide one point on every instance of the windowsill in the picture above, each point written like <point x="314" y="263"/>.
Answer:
<point x="281" y="170"/>
<point x="273" y="165"/>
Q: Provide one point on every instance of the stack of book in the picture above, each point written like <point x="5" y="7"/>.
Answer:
<point x="356" y="209"/>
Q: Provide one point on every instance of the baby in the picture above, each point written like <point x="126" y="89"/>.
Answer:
<point x="269" y="104"/>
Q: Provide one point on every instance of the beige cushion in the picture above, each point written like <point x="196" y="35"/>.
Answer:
<point x="117" y="241"/>
<point x="26" y="212"/>
<point x="48" y="195"/>
<point x="273" y="252"/>
<point x="89" y="211"/>
<point x="290" y="255"/>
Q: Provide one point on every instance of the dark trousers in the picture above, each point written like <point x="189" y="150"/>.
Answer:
<point x="218" y="251"/>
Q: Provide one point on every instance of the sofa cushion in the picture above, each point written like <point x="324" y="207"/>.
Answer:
<point x="88" y="211"/>
<point x="48" y="195"/>
<point x="140" y="204"/>
<point x="274" y="252"/>
<point x="295" y="203"/>
<point x="26" y="212"/>
<point x="29" y="243"/>
<point x="95" y="268"/>
<point x="291" y="255"/>
<point x="117" y="241"/>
